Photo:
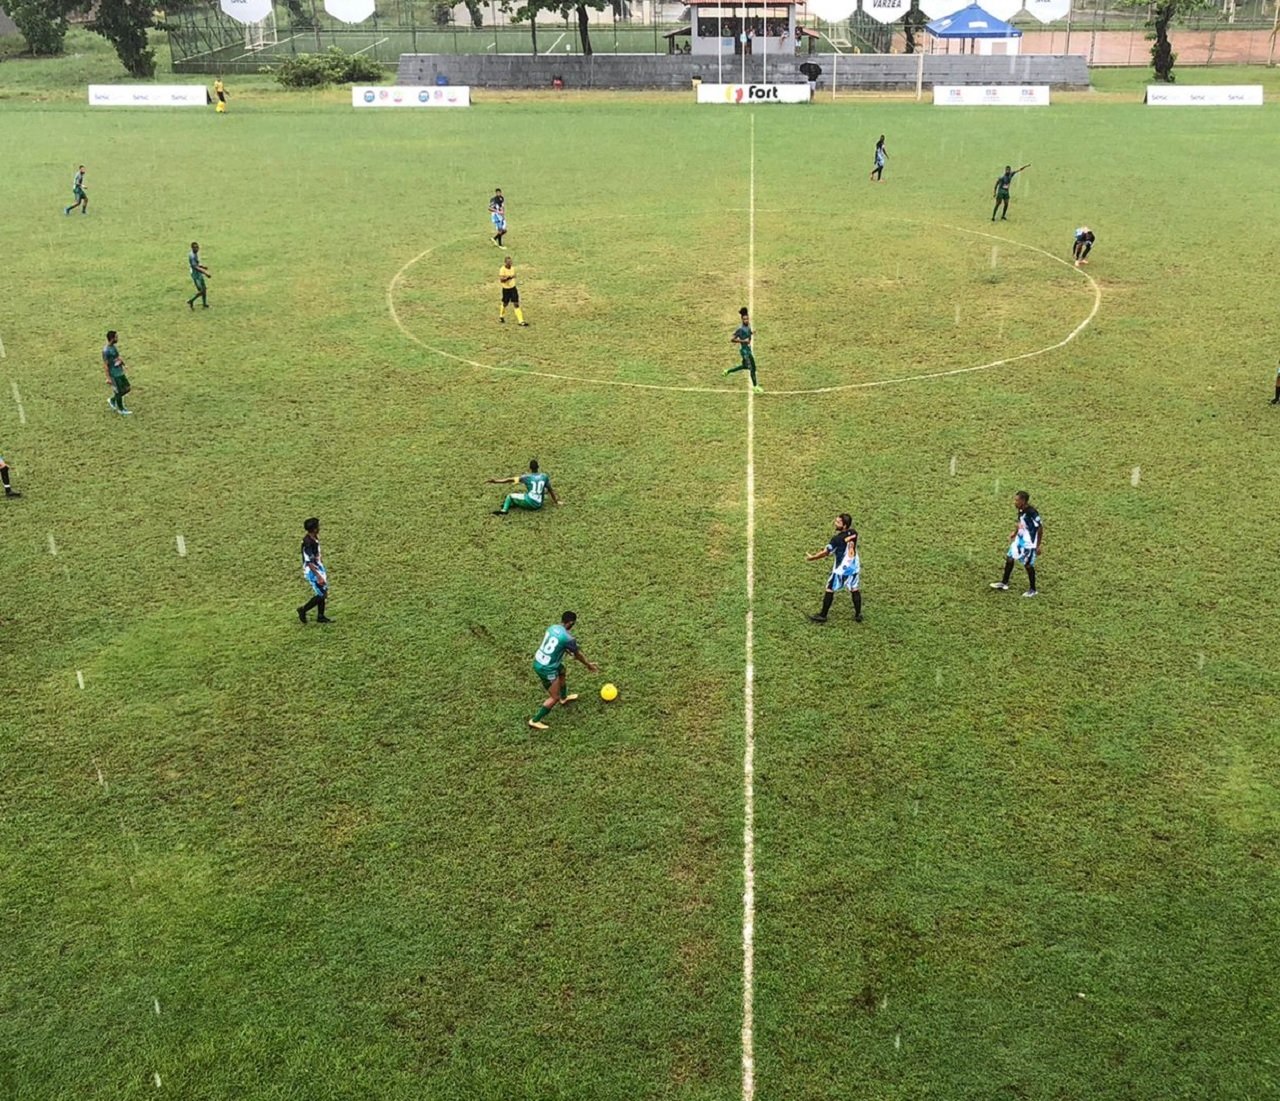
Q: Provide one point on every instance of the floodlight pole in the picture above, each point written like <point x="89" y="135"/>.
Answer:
<point x="765" y="78"/>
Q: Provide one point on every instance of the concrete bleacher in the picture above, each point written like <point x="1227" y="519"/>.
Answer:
<point x="873" y="72"/>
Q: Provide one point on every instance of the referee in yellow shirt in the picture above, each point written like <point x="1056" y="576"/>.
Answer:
<point x="220" y="90"/>
<point x="510" y="295"/>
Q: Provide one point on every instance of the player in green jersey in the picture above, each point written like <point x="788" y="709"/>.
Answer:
<point x="114" y="367"/>
<point x="198" y="274"/>
<point x="536" y="486"/>
<point x="78" y="193"/>
<point x="548" y="663"/>
<point x="1001" y="190"/>
<point x="742" y="338"/>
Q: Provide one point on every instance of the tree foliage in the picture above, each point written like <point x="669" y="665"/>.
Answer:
<point x="1162" y="14"/>
<point x="43" y="23"/>
<point x="124" y="23"/>
<point x="912" y="24"/>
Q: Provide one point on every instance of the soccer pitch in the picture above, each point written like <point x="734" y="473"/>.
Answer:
<point x="1003" y="848"/>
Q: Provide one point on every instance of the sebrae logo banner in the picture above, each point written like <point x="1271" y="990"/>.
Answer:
<point x="411" y="95"/>
<point x="991" y="95"/>
<point x="753" y="94"/>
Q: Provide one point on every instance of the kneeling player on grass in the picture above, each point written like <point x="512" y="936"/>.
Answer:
<point x="536" y="485"/>
<point x="1082" y="246"/>
<point x="1024" y="544"/>
<point x="846" y="574"/>
<point x="548" y="663"/>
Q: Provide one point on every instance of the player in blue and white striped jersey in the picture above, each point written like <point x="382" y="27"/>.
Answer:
<point x="846" y="574"/>
<point x="1024" y="544"/>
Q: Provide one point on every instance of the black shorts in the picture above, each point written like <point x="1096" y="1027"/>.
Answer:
<point x="510" y="296"/>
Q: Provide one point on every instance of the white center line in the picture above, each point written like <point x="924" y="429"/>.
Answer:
<point x="17" y="397"/>
<point x="1136" y="476"/>
<point x="182" y="547"/>
<point x="748" y="695"/>
<point x="53" y="547"/>
<point x="79" y="678"/>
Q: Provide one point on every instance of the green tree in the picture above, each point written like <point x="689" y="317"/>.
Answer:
<point x="1162" y="15"/>
<point x="43" y="23"/>
<point x="584" y="25"/>
<point x="124" y="23"/>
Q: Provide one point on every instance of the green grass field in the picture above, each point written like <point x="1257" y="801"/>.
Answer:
<point x="1004" y="848"/>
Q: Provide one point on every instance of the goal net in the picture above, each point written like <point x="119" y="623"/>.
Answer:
<point x="258" y="36"/>
<point x="862" y="73"/>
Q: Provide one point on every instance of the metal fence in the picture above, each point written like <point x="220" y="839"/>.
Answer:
<point x="204" y="40"/>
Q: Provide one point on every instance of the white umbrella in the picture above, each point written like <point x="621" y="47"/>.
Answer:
<point x="350" y="11"/>
<point x="247" y="11"/>
<point x="1049" y="11"/>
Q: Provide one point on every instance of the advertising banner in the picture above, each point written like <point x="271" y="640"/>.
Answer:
<point x="1205" y="95"/>
<point x="147" y="95"/>
<point x="991" y="95"/>
<point x="753" y="94"/>
<point x="886" y="11"/>
<point x="412" y="95"/>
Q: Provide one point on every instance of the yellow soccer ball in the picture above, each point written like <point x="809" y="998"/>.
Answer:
<point x="609" y="692"/>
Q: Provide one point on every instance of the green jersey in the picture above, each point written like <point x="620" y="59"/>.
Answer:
<point x="111" y="357"/>
<point x="555" y="644"/>
<point x="744" y="335"/>
<point x="536" y="485"/>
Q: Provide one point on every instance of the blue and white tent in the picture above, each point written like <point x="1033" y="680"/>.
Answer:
<point x="972" y="22"/>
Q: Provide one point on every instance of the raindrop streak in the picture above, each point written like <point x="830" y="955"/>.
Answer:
<point x="953" y="466"/>
<point x="79" y="678"/>
<point x="1136" y="476"/>
<point x="182" y="547"/>
<point x="53" y="547"/>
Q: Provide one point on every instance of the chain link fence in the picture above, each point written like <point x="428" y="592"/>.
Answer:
<point x="205" y="40"/>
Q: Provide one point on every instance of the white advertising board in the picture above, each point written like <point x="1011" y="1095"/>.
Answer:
<point x="1204" y="95"/>
<point x="991" y="95"/>
<point x="412" y="95"/>
<point x="147" y="95"/>
<point x="753" y="94"/>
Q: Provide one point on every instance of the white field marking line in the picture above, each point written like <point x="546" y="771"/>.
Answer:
<point x="17" y="397"/>
<point x="1136" y="476"/>
<point x="2" y="355"/>
<point x="953" y="466"/>
<point x="748" y="695"/>
<point x="80" y="679"/>
<point x="53" y="547"/>
<point x="391" y="307"/>
<point x="156" y="1003"/>
<point x="182" y="547"/>
<point x="372" y="46"/>
<point x="556" y="42"/>
<point x="1097" y="304"/>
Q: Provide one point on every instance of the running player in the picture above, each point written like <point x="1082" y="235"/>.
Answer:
<point x="9" y="491"/>
<point x="78" y="193"/>
<point x="114" y="367"/>
<point x="498" y="215"/>
<point x="846" y="574"/>
<point x="1083" y="245"/>
<point x="548" y="664"/>
<point x="536" y="486"/>
<point x="742" y="338"/>
<point x="1024" y="544"/>
<point x="1002" y="190"/>
<point x="510" y="293"/>
<point x="881" y="155"/>
<point x="198" y="274"/>
<point x="313" y="572"/>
